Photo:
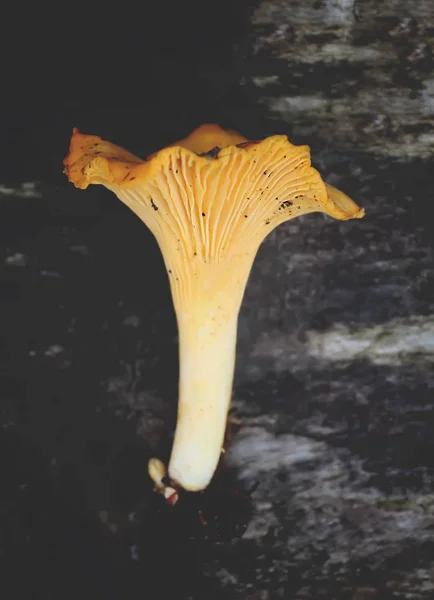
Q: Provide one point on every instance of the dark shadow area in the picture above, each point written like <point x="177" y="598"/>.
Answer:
<point x="142" y="76"/>
<point x="79" y="516"/>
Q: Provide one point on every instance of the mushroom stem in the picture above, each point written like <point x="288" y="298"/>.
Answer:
<point x="207" y="307"/>
<point x="207" y="358"/>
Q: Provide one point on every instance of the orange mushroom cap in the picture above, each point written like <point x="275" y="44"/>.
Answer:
<point x="272" y="176"/>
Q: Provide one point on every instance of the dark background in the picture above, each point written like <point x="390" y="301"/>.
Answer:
<point x="335" y="452"/>
<point x="145" y="75"/>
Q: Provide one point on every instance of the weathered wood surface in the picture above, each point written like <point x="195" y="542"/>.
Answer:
<point x="352" y="74"/>
<point x="341" y="429"/>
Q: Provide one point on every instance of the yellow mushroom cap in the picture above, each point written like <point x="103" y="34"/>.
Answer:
<point x="244" y="189"/>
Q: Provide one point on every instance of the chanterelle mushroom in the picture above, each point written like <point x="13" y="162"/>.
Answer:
<point x="210" y="200"/>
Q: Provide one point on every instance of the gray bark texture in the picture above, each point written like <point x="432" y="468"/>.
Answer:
<point x="342" y="441"/>
<point x="353" y="74"/>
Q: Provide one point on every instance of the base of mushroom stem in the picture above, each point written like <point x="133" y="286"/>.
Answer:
<point x="157" y="472"/>
<point x="218" y="514"/>
<point x="170" y="489"/>
<point x="164" y="485"/>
